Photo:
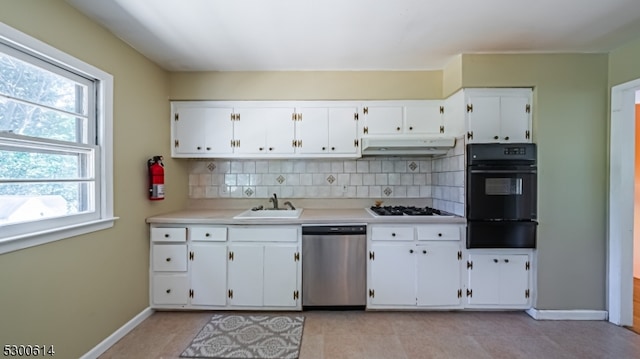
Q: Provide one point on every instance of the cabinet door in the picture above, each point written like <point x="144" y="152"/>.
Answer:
<point x="423" y="117"/>
<point x="281" y="276"/>
<point x="484" y="279"/>
<point x="515" y="117"/>
<point x="264" y="130"/>
<point x="439" y="274"/>
<point x="313" y="130"/>
<point x="514" y="279"/>
<point x="392" y="274"/>
<point x="250" y="129"/>
<point x="453" y="116"/>
<point x="483" y="119"/>
<point x="245" y="265"/>
<point x="208" y="273"/>
<point x="382" y="119"/>
<point x="343" y="130"/>
<point x="202" y="130"/>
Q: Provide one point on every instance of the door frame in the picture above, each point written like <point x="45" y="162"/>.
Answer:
<point x="621" y="203"/>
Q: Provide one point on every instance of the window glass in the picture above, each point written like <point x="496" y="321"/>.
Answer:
<point x="48" y="144"/>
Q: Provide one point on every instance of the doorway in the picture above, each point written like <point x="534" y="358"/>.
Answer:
<point x="622" y="203"/>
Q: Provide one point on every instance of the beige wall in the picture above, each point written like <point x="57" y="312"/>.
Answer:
<point x="452" y="76"/>
<point x="74" y="293"/>
<point x="297" y="85"/>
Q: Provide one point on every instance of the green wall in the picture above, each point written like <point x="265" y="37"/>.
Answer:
<point x="570" y="123"/>
<point x="75" y="292"/>
<point x="624" y="63"/>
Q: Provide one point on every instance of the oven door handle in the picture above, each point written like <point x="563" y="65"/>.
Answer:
<point x="529" y="171"/>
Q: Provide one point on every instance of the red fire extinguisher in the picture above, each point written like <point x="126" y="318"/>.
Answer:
<point x="156" y="178"/>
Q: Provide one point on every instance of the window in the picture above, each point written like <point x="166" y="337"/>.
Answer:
<point x="55" y="144"/>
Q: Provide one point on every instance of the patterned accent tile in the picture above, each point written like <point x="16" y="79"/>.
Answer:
<point x="413" y="166"/>
<point x="249" y="192"/>
<point x="331" y="179"/>
<point x="280" y="179"/>
<point x="211" y="166"/>
<point x="388" y="191"/>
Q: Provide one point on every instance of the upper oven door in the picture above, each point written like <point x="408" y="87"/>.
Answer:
<point x="501" y="193"/>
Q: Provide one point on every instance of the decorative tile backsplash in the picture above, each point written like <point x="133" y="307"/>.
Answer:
<point x="440" y="178"/>
<point x="448" y="180"/>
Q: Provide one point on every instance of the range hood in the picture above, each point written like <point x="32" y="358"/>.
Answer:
<point x="407" y="145"/>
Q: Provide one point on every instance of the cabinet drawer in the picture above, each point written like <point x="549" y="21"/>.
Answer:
<point x="170" y="289"/>
<point x="392" y="233"/>
<point x="168" y="234"/>
<point x="438" y="232"/>
<point x="169" y="258"/>
<point x="264" y="234"/>
<point x="208" y="234"/>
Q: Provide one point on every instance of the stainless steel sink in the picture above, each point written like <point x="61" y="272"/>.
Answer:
<point x="269" y="214"/>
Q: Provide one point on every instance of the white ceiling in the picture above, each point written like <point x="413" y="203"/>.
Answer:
<point x="275" y="35"/>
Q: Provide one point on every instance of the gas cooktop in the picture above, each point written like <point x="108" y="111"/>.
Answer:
<point x="404" y="211"/>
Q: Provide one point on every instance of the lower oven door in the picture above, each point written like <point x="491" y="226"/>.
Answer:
<point x="501" y="234"/>
<point x="504" y="194"/>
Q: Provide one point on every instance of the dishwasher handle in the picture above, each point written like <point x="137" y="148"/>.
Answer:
<point x="334" y="230"/>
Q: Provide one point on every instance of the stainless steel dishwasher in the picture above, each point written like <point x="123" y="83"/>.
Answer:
<point x="334" y="267"/>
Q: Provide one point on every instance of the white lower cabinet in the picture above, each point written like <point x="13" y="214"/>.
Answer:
<point x="246" y="264"/>
<point x="439" y="274"/>
<point x="410" y="267"/>
<point x="392" y="270"/>
<point x="263" y="275"/>
<point x="264" y="267"/>
<point x="208" y="274"/>
<point x="281" y="268"/>
<point x="499" y="280"/>
<point x="225" y="267"/>
<point x="169" y="289"/>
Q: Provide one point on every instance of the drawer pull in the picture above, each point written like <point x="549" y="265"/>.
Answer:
<point x="168" y="291"/>
<point x="169" y="259"/>
<point x="166" y="235"/>
<point x="410" y="250"/>
<point x="424" y="251"/>
<point x="439" y="234"/>
<point x="393" y="234"/>
<point x="495" y="261"/>
<point x="506" y="261"/>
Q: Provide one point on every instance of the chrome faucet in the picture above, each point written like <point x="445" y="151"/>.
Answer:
<point x="287" y="203"/>
<point x="274" y="200"/>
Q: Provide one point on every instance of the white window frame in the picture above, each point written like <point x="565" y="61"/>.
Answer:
<point x="104" y="217"/>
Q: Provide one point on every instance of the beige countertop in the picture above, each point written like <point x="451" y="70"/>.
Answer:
<point x="308" y="216"/>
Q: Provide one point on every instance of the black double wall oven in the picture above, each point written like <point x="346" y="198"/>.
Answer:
<point x="501" y="195"/>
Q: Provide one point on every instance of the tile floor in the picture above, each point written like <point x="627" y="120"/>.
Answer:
<point x="405" y="335"/>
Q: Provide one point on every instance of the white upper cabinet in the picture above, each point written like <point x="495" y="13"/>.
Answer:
<point x="382" y="119"/>
<point x="327" y="131"/>
<point x="402" y="117"/>
<point x="498" y="115"/>
<point x="264" y="130"/>
<point x="200" y="130"/>
<point x="423" y="117"/>
<point x="453" y="116"/>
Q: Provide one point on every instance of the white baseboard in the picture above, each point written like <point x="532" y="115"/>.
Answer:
<point x="567" y="314"/>
<point x="118" y="334"/>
